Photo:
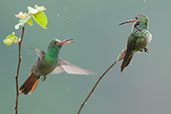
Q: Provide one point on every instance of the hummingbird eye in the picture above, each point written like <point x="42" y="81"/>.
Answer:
<point x="54" y="43"/>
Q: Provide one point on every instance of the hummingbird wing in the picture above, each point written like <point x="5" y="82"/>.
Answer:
<point x="129" y="51"/>
<point x="65" y="66"/>
<point x="39" y="53"/>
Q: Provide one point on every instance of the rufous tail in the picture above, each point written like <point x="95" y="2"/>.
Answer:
<point x="30" y="84"/>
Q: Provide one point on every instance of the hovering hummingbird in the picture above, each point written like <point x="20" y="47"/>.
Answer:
<point x="50" y="63"/>
<point x="137" y="41"/>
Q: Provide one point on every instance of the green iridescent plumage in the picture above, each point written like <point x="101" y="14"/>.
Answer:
<point x="50" y="63"/>
<point x="137" y="41"/>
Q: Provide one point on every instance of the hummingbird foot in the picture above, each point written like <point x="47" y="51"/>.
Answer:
<point x="43" y="78"/>
<point x="146" y="50"/>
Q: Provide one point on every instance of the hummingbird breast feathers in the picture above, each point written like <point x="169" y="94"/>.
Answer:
<point x="143" y="38"/>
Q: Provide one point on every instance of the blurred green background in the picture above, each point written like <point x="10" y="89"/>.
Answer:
<point x="143" y="88"/>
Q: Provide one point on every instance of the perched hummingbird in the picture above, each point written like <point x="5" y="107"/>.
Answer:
<point x="50" y="63"/>
<point x="137" y="41"/>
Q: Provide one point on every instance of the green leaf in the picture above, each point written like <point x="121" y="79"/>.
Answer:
<point x="10" y="35"/>
<point x="10" y="39"/>
<point x="30" y="22"/>
<point x="41" y="19"/>
<point x="22" y="22"/>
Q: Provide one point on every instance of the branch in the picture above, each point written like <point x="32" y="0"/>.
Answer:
<point x="92" y="90"/>
<point x="18" y="69"/>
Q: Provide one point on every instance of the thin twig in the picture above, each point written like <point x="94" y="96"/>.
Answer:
<point x="18" y="69"/>
<point x="92" y="90"/>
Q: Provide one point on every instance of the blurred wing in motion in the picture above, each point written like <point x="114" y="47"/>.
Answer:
<point x="65" y="66"/>
<point x="39" y="53"/>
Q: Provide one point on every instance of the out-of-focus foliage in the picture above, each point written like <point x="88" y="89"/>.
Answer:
<point x="11" y="38"/>
<point x="35" y="13"/>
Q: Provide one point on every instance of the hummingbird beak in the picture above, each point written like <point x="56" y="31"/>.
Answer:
<point x="131" y="21"/>
<point x="65" y="41"/>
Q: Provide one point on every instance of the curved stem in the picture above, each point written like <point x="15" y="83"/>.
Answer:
<point x="18" y="69"/>
<point x="94" y="87"/>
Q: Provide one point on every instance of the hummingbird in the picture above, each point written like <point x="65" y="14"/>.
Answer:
<point x="50" y="63"/>
<point x="137" y="41"/>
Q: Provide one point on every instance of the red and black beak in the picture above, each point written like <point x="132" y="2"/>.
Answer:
<point x="131" y="21"/>
<point x="65" y="41"/>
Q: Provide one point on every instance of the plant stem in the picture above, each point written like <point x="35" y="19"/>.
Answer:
<point x="94" y="87"/>
<point x="18" y="69"/>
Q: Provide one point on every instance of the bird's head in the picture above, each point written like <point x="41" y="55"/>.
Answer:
<point x="140" y="21"/>
<point x="58" y="43"/>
